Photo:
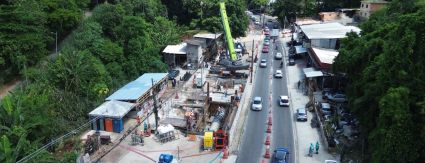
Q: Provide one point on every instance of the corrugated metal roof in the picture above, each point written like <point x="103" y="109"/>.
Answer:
<point x="208" y="35"/>
<point x="137" y="88"/>
<point x="176" y="49"/>
<point x="326" y="55"/>
<point x="112" y="109"/>
<point x="327" y="30"/>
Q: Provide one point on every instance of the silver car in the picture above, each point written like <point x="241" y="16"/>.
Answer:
<point x="263" y="63"/>
<point x="257" y="104"/>
<point x="301" y="114"/>
<point x="278" y="56"/>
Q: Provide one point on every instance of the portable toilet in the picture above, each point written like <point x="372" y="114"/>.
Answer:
<point x="208" y="140"/>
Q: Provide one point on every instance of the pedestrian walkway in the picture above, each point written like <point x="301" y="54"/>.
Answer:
<point x="305" y="135"/>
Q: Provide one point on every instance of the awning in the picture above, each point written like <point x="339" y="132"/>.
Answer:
<point x="311" y="73"/>
<point x="300" y="49"/>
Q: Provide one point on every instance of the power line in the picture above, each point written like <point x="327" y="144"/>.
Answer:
<point x="73" y="132"/>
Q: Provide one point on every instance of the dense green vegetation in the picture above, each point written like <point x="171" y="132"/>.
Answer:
<point x="205" y="14"/>
<point x="385" y="69"/>
<point x="118" y="43"/>
<point x="28" y="28"/>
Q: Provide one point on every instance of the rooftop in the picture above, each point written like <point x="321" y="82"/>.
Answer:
<point x="327" y="30"/>
<point x="325" y="55"/>
<point x="207" y="35"/>
<point x="112" y="109"/>
<point x="176" y="49"/>
<point x="137" y="88"/>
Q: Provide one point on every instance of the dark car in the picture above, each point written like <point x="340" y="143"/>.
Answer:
<point x="280" y="155"/>
<point x="173" y="74"/>
<point x="291" y="61"/>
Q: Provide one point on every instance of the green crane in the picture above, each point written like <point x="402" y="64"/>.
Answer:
<point x="229" y="38"/>
<point x="233" y="63"/>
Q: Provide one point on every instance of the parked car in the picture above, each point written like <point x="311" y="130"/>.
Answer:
<point x="173" y="74"/>
<point x="331" y="161"/>
<point x="283" y="101"/>
<point x="326" y="108"/>
<point x="266" y="33"/>
<point x="337" y="97"/>
<point x="257" y="22"/>
<point x="263" y="63"/>
<point x="278" y="56"/>
<point x="278" y="74"/>
<point x="266" y="42"/>
<point x="265" y="49"/>
<point x="280" y="155"/>
<point x="291" y="61"/>
<point x="257" y="104"/>
<point x="301" y="114"/>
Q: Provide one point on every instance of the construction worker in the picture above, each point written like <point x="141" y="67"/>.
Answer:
<point x="317" y="147"/>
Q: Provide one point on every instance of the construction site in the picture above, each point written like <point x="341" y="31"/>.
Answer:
<point x="182" y="117"/>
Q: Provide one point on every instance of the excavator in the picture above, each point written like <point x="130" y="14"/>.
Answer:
<point x="231" y="62"/>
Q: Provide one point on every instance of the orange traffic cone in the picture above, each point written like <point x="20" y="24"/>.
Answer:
<point x="270" y="120"/>
<point x="267" y="154"/>
<point x="269" y="129"/>
<point x="225" y="153"/>
<point x="267" y="140"/>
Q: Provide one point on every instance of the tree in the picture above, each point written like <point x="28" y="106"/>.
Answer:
<point x="22" y="36"/>
<point x="109" y="17"/>
<point x="386" y="81"/>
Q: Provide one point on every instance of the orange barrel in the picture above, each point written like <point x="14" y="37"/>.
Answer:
<point x="108" y="125"/>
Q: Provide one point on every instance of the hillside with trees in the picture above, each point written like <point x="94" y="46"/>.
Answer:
<point x="119" y="42"/>
<point x="385" y="69"/>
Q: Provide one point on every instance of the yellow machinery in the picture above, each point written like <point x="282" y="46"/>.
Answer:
<point x="208" y="140"/>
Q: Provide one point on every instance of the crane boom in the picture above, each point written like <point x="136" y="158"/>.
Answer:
<point x="229" y="38"/>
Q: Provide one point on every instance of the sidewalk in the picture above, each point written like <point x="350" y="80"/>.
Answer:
<point x="304" y="133"/>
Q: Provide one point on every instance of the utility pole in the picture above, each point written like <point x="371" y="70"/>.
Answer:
<point x="252" y="60"/>
<point x="155" y="107"/>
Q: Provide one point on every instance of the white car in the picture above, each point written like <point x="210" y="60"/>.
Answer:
<point x="263" y="63"/>
<point x="284" y="101"/>
<point x="257" y="104"/>
<point x="257" y="22"/>
<point x="278" y="56"/>
<point x="278" y="74"/>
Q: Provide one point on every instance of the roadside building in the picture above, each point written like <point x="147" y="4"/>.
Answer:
<point x="175" y="55"/>
<point x="322" y="42"/>
<point x="368" y="7"/>
<point x="136" y="95"/>
<point x="190" y="53"/>
<point x="110" y="116"/>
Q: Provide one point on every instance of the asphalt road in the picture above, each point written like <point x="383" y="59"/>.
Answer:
<point x="252" y="147"/>
<point x="282" y="133"/>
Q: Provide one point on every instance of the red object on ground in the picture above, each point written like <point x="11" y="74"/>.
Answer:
<point x="267" y="140"/>
<point x="267" y="154"/>
<point x="270" y="120"/>
<point x="269" y="129"/>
